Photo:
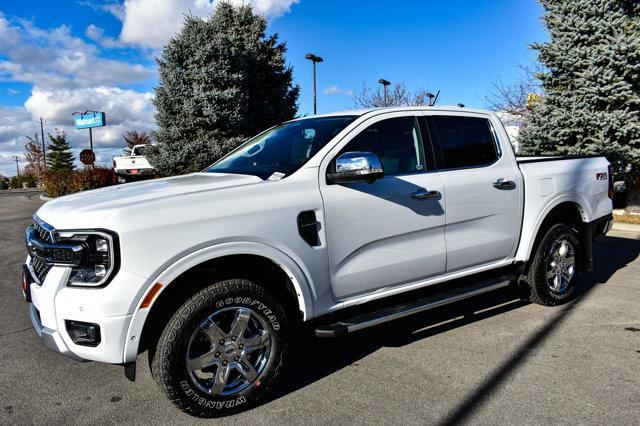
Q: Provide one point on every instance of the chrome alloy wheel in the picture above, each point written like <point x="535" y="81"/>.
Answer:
<point x="228" y="351"/>
<point x="561" y="266"/>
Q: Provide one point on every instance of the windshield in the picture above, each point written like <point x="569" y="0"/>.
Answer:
<point x="279" y="152"/>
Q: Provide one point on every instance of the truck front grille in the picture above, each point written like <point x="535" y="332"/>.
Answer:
<point x="42" y="233"/>
<point x="40" y="268"/>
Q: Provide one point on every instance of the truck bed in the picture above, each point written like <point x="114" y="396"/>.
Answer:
<point x="552" y="180"/>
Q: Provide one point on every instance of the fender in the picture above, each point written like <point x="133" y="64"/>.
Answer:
<point x="298" y="277"/>
<point x="528" y="238"/>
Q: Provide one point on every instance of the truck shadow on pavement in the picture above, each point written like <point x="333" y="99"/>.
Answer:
<point x="314" y="359"/>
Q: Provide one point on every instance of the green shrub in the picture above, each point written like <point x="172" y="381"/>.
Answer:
<point x="63" y="182"/>
<point x="15" y="182"/>
<point x="29" y="180"/>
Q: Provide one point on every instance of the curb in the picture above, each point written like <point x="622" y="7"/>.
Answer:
<point x="45" y="198"/>
<point x="20" y="191"/>
<point x="621" y="226"/>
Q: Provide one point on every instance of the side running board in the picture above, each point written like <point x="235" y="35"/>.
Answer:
<point x="391" y="313"/>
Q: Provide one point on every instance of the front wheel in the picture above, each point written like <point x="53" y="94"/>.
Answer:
<point x="554" y="271"/>
<point x="222" y="350"/>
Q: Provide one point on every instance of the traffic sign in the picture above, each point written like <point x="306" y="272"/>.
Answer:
<point x="87" y="157"/>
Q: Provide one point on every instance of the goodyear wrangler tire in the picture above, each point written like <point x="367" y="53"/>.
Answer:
<point x="554" y="272"/>
<point x="222" y="350"/>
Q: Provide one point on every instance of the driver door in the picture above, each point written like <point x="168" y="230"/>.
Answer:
<point x="379" y="235"/>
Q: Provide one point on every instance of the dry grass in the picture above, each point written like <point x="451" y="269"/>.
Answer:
<point x="627" y="218"/>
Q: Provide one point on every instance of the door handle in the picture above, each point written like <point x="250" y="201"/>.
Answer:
<point x="503" y="184"/>
<point x="423" y="195"/>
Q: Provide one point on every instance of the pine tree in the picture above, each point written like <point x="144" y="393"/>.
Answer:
<point x="222" y="79"/>
<point x="59" y="155"/>
<point x="591" y="83"/>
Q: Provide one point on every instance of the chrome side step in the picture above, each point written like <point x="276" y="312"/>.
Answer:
<point x="391" y="313"/>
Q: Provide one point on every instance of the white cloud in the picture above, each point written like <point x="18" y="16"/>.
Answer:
<point x="271" y="8"/>
<point x="15" y="124"/>
<point x="119" y="104"/>
<point x="114" y="7"/>
<point x="56" y="58"/>
<point x="67" y="74"/>
<point x="150" y="23"/>
<point x="335" y="90"/>
<point x="97" y="34"/>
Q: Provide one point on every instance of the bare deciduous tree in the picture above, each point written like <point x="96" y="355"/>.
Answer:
<point x="397" y="95"/>
<point x="133" y="138"/>
<point x="513" y="98"/>
<point x="34" y="156"/>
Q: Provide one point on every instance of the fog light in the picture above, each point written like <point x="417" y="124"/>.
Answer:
<point x="83" y="333"/>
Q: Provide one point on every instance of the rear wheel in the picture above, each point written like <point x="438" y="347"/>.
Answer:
<point x="222" y="350"/>
<point x="554" y="272"/>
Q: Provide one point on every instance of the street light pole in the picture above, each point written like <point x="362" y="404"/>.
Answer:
<point x="44" y="152"/>
<point x="17" y="167"/>
<point x="315" y="59"/>
<point x="384" y="83"/>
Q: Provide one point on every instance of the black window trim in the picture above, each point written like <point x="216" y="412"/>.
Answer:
<point x="437" y="147"/>
<point x="429" y="160"/>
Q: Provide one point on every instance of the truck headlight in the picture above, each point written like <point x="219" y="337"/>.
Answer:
<point x="98" y="259"/>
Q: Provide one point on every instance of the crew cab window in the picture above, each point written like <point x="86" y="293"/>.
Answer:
<point x="465" y="141"/>
<point x="396" y="141"/>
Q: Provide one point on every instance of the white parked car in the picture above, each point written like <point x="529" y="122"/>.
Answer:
<point x="134" y="166"/>
<point x="210" y="271"/>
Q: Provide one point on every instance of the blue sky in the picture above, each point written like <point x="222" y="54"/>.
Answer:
<point x="67" y="55"/>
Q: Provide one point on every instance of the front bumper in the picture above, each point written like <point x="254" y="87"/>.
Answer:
<point x="51" y="338"/>
<point x="53" y="303"/>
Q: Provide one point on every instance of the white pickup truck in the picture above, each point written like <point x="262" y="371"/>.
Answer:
<point x="210" y="272"/>
<point x="134" y="166"/>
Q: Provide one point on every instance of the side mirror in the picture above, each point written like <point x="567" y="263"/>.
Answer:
<point x="356" y="167"/>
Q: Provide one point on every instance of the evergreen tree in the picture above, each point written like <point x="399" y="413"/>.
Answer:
<point x="222" y="79"/>
<point x="591" y="82"/>
<point x="59" y="155"/>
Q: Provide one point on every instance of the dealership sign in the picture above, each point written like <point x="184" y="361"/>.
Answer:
<point x="86" y="121"/>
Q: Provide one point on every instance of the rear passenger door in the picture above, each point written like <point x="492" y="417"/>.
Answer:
<point x="482" y="186"/>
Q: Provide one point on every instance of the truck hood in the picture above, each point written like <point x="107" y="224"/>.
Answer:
<point x="89" y="209"/>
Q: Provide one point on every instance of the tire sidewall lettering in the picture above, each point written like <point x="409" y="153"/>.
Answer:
<point x="195" y="397"/>
<point x="258" y="305"/>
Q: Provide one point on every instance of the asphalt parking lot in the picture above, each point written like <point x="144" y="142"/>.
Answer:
<point x="495" y="360"/>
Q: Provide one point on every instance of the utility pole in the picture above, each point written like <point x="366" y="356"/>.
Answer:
<point x="384" y="83"/>
<point x="315" y="59"/>
<point x="44" y="151"/>
<point x="17" y="167"/>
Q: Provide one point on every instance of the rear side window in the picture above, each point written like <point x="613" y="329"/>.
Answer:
<point x="465" y="141"/>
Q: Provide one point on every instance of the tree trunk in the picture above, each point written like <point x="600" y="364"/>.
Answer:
<point x="633" y="194"/>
